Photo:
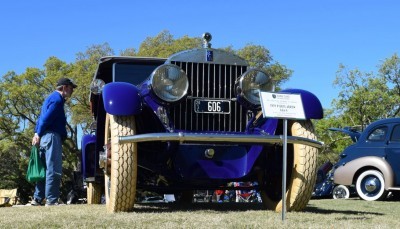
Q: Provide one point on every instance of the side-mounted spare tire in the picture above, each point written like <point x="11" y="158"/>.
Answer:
<point x="121" y="177"/>
<point x="301" y="171"/>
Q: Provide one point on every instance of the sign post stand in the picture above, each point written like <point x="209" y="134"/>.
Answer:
<point x="284" y="166"/>
<point x="284" y="106"/>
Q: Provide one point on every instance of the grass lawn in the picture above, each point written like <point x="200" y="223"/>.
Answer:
<point x="326" y="213"/>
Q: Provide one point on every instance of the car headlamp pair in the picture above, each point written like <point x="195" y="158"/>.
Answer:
<point x="170" y="83"/>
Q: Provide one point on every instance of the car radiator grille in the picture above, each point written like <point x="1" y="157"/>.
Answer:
<point x="210" y="81"/>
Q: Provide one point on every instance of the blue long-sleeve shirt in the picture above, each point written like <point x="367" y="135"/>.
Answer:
<point x="52" y="116"/>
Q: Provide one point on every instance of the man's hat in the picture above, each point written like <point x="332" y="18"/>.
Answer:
<point x="66" y="81"/>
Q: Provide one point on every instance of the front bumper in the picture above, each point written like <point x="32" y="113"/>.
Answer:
<point x="219" y="138"/>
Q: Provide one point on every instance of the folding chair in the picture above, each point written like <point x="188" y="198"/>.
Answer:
<point x="8" y="197"/>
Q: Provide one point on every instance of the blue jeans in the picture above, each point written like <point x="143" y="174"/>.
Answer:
<point x="51" y="153"/>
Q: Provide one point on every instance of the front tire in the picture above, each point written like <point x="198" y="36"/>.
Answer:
<point x="371" y="185"/>
<point x="94" y="193"/>
<point x="340" y="192"/>
<point x="121" y="178"/>
<point x="301" y="172"/>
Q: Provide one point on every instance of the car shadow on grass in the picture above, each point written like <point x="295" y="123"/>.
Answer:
<point x="316" y="210"/>
<point x="239" y="207"/>
<point x="175" y="207"/>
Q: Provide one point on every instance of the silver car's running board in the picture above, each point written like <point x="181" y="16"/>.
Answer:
<point x="394" y="188"/>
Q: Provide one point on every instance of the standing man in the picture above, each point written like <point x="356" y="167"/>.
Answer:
<point x="50" y="132"/>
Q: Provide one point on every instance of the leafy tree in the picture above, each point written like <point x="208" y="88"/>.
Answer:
<point x="260" y="57"/>
<point x="22" y="97"/>
<point x="334" y="142"/>
<point x="364" y="98"/>
<point x="390" y="71"/>
<point x="82" y="72"/>
<point x="13" y="170"/>
<point x="128" y="52"/>
<point x="164" y="44"/>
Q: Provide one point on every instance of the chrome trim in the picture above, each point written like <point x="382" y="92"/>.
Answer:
<point x="394" y="188"/>
<point x="217" y="138"/>
<point x="198" y="56"/>
<point x="214" y="82"/>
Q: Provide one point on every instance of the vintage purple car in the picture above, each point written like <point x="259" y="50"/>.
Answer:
<point x="192" y="122"/>
<point x="372" y="163"/>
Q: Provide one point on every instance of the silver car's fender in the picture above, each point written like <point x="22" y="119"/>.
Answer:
<point x="345" y="174"/>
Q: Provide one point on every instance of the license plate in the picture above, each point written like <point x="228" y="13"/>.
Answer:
<point x="212" y="106"/>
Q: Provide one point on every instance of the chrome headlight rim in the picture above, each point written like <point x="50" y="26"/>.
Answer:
<point x="169" y="83"/>
<point x="250" y="84"/>
<point x="96" y="86"/>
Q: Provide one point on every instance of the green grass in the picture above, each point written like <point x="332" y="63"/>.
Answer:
<point x="352" y="213"/>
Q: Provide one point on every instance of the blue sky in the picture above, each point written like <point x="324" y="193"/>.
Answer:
<point x="310" y="37"/>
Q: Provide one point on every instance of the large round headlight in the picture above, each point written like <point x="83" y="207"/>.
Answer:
<point x="169" y="82"/>
<point x="251" y="83"/>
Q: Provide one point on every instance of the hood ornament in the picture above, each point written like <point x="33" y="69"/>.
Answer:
<point x="207" y="45"/>
<point x="206" y="40"/>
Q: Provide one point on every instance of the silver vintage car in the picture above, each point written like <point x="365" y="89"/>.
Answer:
<point x="372" y="164"/>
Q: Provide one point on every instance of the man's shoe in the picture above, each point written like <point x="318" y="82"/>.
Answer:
<point x="53" y="204"/>
<point x="34" y="202"/>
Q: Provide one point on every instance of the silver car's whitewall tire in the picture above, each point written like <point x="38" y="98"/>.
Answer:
<point x="121" y="178"/>
<point x="371" y="185"/>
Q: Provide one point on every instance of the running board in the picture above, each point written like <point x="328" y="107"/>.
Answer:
<point x="394" y="188"/>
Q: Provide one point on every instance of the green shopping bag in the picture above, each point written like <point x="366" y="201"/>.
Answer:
<point x="36" y="169"/>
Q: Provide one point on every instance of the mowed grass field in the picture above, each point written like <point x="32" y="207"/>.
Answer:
<point x="325" y="213"/>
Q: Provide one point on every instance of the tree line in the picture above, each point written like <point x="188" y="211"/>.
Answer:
<point x="364" y="97"/>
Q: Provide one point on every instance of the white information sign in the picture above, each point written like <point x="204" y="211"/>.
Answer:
<point x="282" y="105"/>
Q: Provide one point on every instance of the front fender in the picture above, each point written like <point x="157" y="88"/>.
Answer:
<point x="88" y="156"/>
<point x="311" y="104"/>
<point x="345" y="174"/>
<point x="121" y="98"/>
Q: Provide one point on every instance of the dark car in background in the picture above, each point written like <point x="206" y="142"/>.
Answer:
<point x="372" y="163"/>
<point x="192" y="122"/>
<point x="325" y="188"/>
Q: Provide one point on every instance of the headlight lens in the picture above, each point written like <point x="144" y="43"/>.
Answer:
<point x="169" y="82"/>
<point x="96" y="87"/>
<point x="252" y="82"/>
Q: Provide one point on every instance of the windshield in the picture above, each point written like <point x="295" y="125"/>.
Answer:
<point x="134" y="73"/>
